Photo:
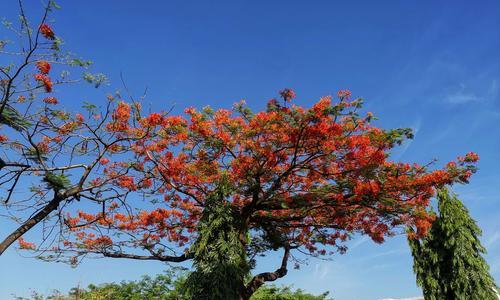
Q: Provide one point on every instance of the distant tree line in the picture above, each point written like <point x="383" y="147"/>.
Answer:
<point x="167" y="286"/>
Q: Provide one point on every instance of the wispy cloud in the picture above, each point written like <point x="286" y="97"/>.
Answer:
<point x="495" y="267"/>
<point x="406" y="145"/>
<point x="462" y="96"/>
<point x="492" y="239"/>
<point x="358" y="242"/>
<point x="321" y="270"/>
<point x="493" y="90"/>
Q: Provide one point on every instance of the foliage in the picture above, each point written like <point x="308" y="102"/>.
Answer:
<point x="286" y="293"/>
<point x="448" y="262"/>
<point x="161" y="287"/>
<point x="219" y="256"/>
<point x="57" y="181"/>
<point x="12" y="118"/>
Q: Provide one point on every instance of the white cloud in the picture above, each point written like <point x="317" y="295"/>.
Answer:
<point x="462" y="96"/>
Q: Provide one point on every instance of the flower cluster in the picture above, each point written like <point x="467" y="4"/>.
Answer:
<point x="470" y="157"/>
<point x="50" y="100"/>
<point x="43" y="66"/>
<point x="287" y="94"/>
<point x="45" y="81"/>
<point x="344" y="94"/>
<point x="25" y="245"/>
<point x="153" y="119"/>
<point x="121" y="116"/>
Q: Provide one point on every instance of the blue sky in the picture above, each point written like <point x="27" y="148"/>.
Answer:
<point x="433" y="66"/>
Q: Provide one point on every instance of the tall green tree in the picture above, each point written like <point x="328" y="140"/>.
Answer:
<point x="448" y="262"/>
<point x="220" y="258"/>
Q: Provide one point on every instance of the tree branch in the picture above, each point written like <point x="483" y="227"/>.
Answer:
<point x="181" y="258"/>
<point x="259" y="279"/>
<point x="30" y="223"/>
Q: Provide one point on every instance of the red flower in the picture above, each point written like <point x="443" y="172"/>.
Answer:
<point x="126" y="182"/>
<point x="122" y="112"/>
<point x="45" y="80"/>
<point x="3" y="138"/>
<point x="79" y="118"/>
<point x="470" y="157"/>
<point x="287" y="94"/>
<point x="103" y="161"/>
<point x="50" y="100"/>
<point x="47" y="32"/>
<point x="25" y="245"/>
<point x="153" y="119"/>
<point x="344" y="94"/>
<point x="120" y="116"/>
<point x="43" y="66"/>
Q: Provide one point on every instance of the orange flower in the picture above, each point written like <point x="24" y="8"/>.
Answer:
<point x="287" y="94"/>
<point x="127" y="182"/>
<point x="104" y="161"/>
<point x="50" y="100"/>
<point x="153" y="119"/>
<point x="47" y="32"/>
<point x="79" y="118"/>
<point x="121" y="116"/>
<point x="470" y="157"/>
<point x="45" y="81"/>
<point x="25" y="245"/>
<point x="43" y="66"/>
<point x="344" y="94"/>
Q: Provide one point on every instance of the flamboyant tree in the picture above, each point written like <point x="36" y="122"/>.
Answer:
<point x="285" y="178"/>
<point x="448" y="262"/>
<point x="223" y="185"/>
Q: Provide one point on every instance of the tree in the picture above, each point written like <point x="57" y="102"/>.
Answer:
<point x="287" y="178"/>
<point x="448" y="262"/>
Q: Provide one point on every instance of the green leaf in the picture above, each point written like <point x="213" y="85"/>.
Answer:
<point x="13" y="119"/>
<point x="57" y="181"/>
